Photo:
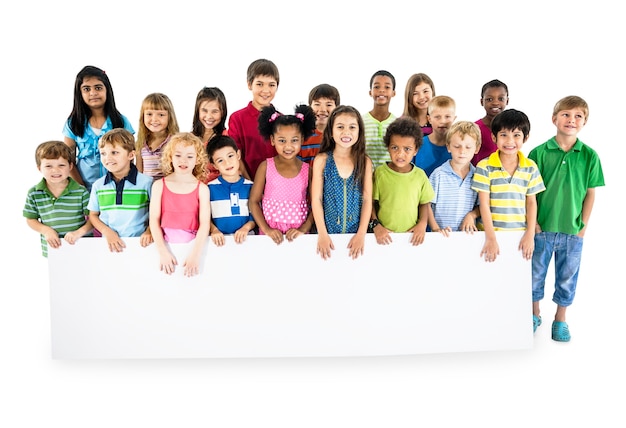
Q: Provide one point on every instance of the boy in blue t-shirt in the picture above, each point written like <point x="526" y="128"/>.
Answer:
<point x="120" y="200"/>
<point x="229" y="193"/>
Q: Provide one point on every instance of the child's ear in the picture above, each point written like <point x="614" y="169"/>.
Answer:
<point x="238" y="154"/>
<point x="526" y="138"/>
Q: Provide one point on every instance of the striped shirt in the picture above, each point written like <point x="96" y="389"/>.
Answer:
<point x="374" y="133"/>
<point x="508" y="193"/>
<point x="152" y="159"/>
<point x="64" y="214"/>
<point x="123" y="205"/>
<point x="454" y="196"/>
<point x="229" y="204"/>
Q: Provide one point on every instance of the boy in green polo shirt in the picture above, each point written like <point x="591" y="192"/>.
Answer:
<point x="56" y="207"/>
<point x="571" y="171"/>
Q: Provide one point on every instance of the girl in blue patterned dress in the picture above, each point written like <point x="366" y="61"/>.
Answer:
<point x="341" y="186"/>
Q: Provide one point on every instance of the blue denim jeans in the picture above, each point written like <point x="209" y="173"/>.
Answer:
<point x="567" y="250"/>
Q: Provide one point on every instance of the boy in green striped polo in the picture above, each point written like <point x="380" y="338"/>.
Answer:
<point x="507" y="183"/>
<point x="119" y="201"/>
<point x="56" y="207"/>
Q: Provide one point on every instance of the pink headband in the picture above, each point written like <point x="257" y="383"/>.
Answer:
<point x="300" y="116"/>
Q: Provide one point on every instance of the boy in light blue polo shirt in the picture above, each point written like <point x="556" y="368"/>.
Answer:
<point x="119" y="201"/>
<point x="455" y="206"/>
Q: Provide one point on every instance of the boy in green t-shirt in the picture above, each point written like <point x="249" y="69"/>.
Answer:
<point x="571" y="171"/>
<point x="402" y="192"/>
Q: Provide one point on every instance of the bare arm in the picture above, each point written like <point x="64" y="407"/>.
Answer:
<point x="324" y="243"/>
<point x="356" y="245"/>
<point x="192" y="262"/>
<point x="490" y="248"/>
<point x="167" y="261"/>
<point x="590" y="198"/>
<point x="74" y="173"/>
<point x="527" y="243"/>
<point x="255" y="204"/>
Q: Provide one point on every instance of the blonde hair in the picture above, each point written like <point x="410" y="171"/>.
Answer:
<point x="571" y="102"/>
<point x="118" y="137"/>
<point x="464" y="128"/>
<point x="441" y="101"/>
<point x="156" y="101"/>
<point x="186" y="139"/>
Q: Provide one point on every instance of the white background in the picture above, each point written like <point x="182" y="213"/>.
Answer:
<point x="542" y="52"/>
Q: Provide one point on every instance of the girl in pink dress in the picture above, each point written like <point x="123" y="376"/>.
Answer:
<point x="180" y="206"/>
<point x="279" y="198"/>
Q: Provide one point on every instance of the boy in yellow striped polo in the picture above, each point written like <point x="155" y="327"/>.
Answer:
<point x="507" y="183"/>
<point x="119" y="201"/>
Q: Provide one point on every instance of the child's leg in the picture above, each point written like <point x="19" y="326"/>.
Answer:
<point x="540" y="263"/>
<point x="567" y="265"/>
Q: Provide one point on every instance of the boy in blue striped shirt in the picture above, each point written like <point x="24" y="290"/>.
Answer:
<point x="455" y="206"/>
<point x="56" y="207"/>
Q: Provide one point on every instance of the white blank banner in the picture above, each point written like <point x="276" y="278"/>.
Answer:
<point x="259" y="299"/>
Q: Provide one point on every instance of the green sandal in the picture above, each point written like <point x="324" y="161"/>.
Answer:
<point x="536" y="322"/>
<point x="560" y="331"/>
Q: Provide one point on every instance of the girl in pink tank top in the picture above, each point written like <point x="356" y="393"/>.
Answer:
<point x="180" y="209"/>
<point x="279" y="198"/>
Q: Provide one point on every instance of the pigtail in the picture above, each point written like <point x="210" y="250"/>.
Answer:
<point x="267" y="121"/>
<point x="307" y="118"/>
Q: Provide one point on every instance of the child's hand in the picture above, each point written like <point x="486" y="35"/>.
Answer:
<point x="72" y="237"/>
<point x="324" y="246"/>
<point x="468" y="225"/>
<point x="490" y="250"/>
<point x="116" y="245"/>
<point x="52" y="238"/>
<point x="292" y="234"/>
<point x="419" y="232"/>
<point x="191" y="266"/>
<point x="527" y="244"/>
<point x="146" y="238"/>
<point x="445" y="231"/>
<point x="382" y="235"/>
<point x="356" y="246"/>
<point x="167" y="262"/>
<point x="276" y="235"/>
<point x="218" y="238"/>
<point x="241" y="235"/>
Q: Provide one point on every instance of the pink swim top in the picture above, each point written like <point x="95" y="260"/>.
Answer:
<point x="180" y="214"/>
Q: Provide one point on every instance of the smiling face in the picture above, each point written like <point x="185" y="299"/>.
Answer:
<point x="322" y="107"/>
<point x="345" y="130"/>
<point x="226" y="161"/>
<point x="287" y="139"/>
<point x="569" y="122"/>
<point x="494" y="101"/>
<point x="116" y="160"/>
<point x="509" y="141"/>
<point x="263" y="91"/>
<point x="422" y="94"/>
<point x="210" y="113"/>
<point x="156" y="120"/>
<point x="55" y="171"/>
<point x="94" y="92"/>
<point x="382" y="90"/>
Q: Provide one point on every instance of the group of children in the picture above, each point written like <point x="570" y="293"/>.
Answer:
<point x="325" y="169"/>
